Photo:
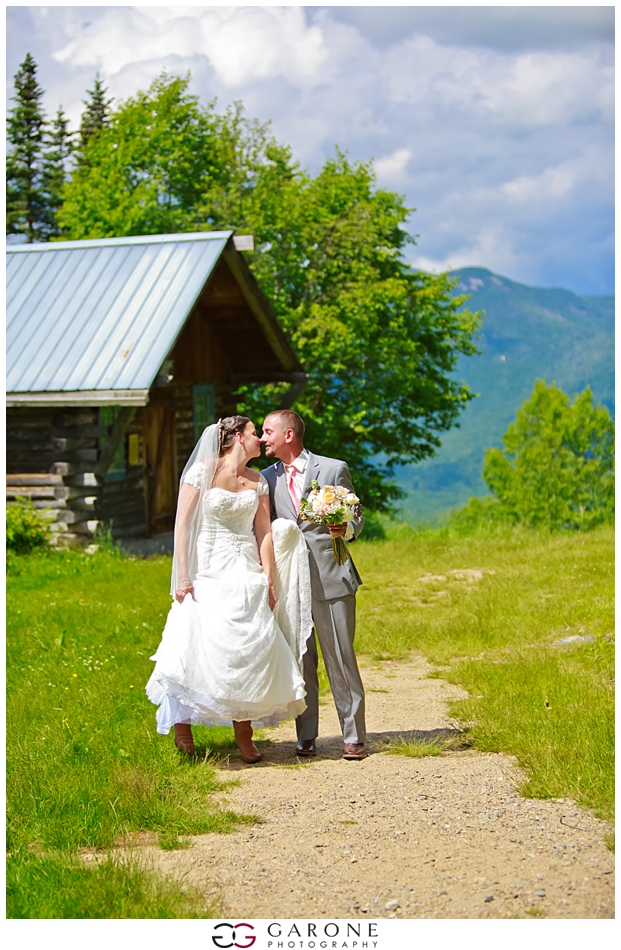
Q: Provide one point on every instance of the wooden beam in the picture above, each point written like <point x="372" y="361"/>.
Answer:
<point x="38" y="478"/>
<point x="82" y="398"/>
<point x="161" y="445"/>
<point x="294" y="392"/>
<point x="119" y="429"/>
<point x="261" y="309"/>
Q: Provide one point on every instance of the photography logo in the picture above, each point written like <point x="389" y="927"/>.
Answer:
<point x="233" y="935"/>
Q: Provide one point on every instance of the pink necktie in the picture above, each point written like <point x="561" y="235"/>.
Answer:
<point x="293" y="488"/>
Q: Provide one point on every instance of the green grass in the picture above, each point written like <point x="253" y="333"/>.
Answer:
<point x="413" y="749"/>
<point x="62" y="886"/>
<point x="419" y="747"/>
<point x="550" y="705"/>
<point x="85" y="766"/>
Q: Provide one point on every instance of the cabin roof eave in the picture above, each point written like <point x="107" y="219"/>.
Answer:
<point x="80" y="397"/>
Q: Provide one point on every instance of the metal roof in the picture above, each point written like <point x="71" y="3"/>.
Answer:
<point x="101" y="316"/>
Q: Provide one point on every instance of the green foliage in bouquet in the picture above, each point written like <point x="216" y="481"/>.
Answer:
<point x="557" y="466"/>
<point x="26" y="531"/>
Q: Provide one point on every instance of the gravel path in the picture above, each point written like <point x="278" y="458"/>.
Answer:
<point x="394" y="836"/>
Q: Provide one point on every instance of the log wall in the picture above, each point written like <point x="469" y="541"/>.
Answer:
<point x="50" y="458"/>
<point x="51" y="455"/>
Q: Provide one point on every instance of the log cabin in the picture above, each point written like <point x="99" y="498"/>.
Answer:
<point x="119" y="352"/>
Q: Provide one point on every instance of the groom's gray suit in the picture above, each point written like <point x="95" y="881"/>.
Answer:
<point x="334" y="589"/>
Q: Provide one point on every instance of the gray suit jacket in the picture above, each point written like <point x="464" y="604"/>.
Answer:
<point x="329" y="580"/>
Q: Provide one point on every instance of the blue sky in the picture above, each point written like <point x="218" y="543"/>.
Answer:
<point x="496" y="123"/>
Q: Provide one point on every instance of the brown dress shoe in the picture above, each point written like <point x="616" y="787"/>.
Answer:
<point x="354" y="750"/>
<point x="306" y="747"/>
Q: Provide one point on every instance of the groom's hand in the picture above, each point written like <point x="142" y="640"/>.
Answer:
<point x="337" y="530"/>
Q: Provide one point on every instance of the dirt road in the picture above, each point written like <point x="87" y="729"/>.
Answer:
<point x="393" y="836"/>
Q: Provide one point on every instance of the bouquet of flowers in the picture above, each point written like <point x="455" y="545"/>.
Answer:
<point x="332" y="504"/>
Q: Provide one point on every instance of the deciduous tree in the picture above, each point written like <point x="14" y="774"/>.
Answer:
<point x="557" y="466"/>
<point x="379" y="340"/>
<point x="147" y="169"/>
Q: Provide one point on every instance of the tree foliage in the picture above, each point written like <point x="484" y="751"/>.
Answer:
<point x="54" y="170"/>
<point x="95" y="116"/>
<point x="25" y="201"/>
<point x="380" y="341"/>
<point x="557" y="466"/>
<point x="146" y="170"/>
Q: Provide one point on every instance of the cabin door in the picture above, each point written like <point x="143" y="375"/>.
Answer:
<point x="161" y="467"/>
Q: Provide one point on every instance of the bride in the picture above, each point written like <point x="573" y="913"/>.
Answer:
<point x="231" y="650"/>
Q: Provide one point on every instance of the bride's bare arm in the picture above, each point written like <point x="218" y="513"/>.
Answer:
<point x="263" y="532"/>
<point x="188" y="499"/>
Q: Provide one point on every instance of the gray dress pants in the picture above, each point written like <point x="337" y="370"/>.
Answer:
<point x="335" y="624"/>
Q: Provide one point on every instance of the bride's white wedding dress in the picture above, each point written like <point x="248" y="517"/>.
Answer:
<point x="224" y="655"/>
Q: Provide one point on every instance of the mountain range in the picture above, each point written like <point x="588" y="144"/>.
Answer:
<point x="528" y="333"/>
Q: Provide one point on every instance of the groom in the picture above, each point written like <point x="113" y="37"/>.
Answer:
<point x="333" y="585"/>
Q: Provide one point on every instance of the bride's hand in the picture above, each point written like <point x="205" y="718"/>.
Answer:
<point x="271" y="597"/>
<point x="181" y="592"/>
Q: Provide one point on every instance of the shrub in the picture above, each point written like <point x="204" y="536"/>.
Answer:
<point x="26" y="529"/>
<point x="373" y="527"/>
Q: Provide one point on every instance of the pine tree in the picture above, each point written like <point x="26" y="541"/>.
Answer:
<point x="25" y="205"/>
<point x="95" y="116"/>
<point x="59" y="147"/>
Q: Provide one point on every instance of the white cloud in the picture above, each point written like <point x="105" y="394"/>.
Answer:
<point x="531" y="90"/>
<point x="554" y="182"/>
<point x="504" y="148"/>
<point x="390" y="169"/>
<point x="242" y="44"/>
<point x="491" y="246"/>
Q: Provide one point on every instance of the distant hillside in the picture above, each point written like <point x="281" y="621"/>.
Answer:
<point x="528" y="333"/>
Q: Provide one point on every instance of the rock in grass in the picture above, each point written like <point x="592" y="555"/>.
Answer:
<point x="575" y="639"/>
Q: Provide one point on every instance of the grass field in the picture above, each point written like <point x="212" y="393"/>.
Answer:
<point x="86" y="769"/>
<point x="551" y="705"/>
<point x="85" y="766"/>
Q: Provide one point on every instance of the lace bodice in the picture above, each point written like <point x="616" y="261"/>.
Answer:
<point x="231" y="511"/>
<point x="226" y="530"/>
<point x="234" y="511"/>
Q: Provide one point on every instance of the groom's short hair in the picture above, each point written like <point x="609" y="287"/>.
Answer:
<point x="289" y="420"/>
